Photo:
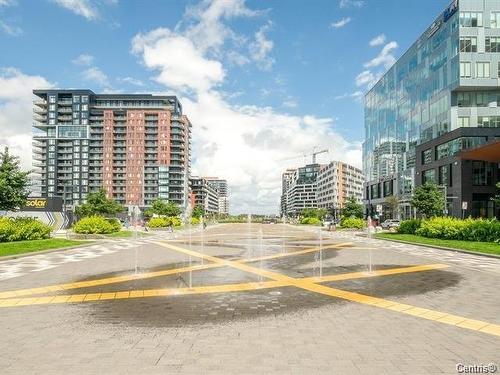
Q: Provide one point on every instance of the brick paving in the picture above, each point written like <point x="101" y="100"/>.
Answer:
<point x="284" y="330"/>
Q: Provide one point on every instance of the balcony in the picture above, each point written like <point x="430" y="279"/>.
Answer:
<point x="64" y="110"/>
<point x="65" y="102"/>
<point x="40" y="102"/>
<point x="65" y="118"/>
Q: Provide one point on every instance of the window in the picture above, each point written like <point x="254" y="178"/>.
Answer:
<point x="498" y="70"/>
<point x="483" y="70"/>
<point x="52" y="107"/>
<point x="481" y="173"/>
<point x="72" y="132"/>
<point x="471" y="19"/>
<point x="427" y="156"/>
<point x="52" y="99"/>
<point x="52" y="121"/>
<point x="465" y="70"/>
<point x="429" y="176"/>
<point x="468" y="44"/>
<point x="443" y="175"/>
<point x="482" y="99"/>
<point x="495" y="20"/>
<point x="85" y="107"/>
<point x="76" y="99"/>
<point x="492" y="44"/>
<point x="85" y="99"/>
<point x="463" y="122"/>
<point x="488" y="121"/>
<point x="52" y="115"/>
<point x="464" y="99"/>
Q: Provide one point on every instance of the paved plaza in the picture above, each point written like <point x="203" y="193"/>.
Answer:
<point x="240" y="298"/>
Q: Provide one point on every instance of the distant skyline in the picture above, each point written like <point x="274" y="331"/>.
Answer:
<point x="261" y="81"/>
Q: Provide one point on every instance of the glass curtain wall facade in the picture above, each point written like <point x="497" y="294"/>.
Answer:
<point x="447" y="79"/>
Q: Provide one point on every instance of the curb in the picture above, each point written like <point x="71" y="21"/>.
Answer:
<point x="443" y="248"/>
<point x="24" y="255"/>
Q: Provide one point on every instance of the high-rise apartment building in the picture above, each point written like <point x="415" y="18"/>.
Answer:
<point x="338" y="181"/>
<point x="447" y="80"/>
<point x="205" y="194"/>
<point x="136" y="147"/>
<point x="324" y="186"/>
<point x="221" y="186"/>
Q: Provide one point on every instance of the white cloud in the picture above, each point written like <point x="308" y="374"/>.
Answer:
<point x="290" y="103"/>
<point x="131" y="81"/>
<point x="96" y="75"/>
<point x="83" y="59"/>
<point x="378" y="40"/>
<point x="16" y="111"/>
<point x="357" y="95"/>
<point x="206" y="29"/>
<point x="366" y="78"/>
<point x="244" y="144"/>
<point x="6" y="3"/>
<point x="84" y="8"/>
<point x="261" y="47"/>
<point x="10" y="29"/>
<point x="341" y="23"/>
<point x="385" y="57"/>
<point x="237" y="58"/>
<point x="182" y="66"/>
<point x="351" y="3"/>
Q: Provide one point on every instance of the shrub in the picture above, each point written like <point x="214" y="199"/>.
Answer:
<point x="409" y="226"/>
<point x="310" y="221"/>
<point x="195" y="221"/>
<point x="96" y="225"/>
<point x="175" y="221"/>
<point x="22" y="229"/>
<point x="158" y="222"/>
<point x="449" y="228"/>
<point x="352" y="223"/>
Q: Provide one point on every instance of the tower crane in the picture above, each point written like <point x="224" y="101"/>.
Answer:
<point x="312" y="154"/>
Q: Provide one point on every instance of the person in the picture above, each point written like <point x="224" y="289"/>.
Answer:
<point x="204" y="225"/>
<point x="170" y="228"/>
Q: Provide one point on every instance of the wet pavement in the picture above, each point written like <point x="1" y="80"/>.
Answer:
<point x="237" y="296"/>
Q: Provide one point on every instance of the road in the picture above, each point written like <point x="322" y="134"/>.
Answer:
<point x="239" y="298"/>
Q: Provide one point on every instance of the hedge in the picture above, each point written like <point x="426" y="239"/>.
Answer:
<point x="484" y="230"/>
<point x="195" y="221"/>
<point x="409" y="226"/>
<point x="310" y="221"/>
<point x="163" y="222"/>
<point x="352" y="223"/>
<point x="22" y="229"/>
<point x="96" y="225"/>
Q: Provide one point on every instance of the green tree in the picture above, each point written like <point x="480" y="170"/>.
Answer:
<point x="13" y="182"/>
<point x="164" y="208"/>
<point x="314" y="212"/>
<point x="428" y="200"/>
<point x="496" y="199"/>
<point x="98" y="204"/>
<point x="198" y="211"/>
<point x="352" y="208"/>
<point x="393" y="203"/>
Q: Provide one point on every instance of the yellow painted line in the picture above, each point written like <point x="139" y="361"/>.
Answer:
<point x="143" y="293"/>
<point x="391" y="271"/>
<point x="437" y="316"/>
<point x="299" y="252"/>
<point x="106" y="281"/>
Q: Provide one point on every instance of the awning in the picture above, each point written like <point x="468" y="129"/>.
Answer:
<point x="488" y="152"/>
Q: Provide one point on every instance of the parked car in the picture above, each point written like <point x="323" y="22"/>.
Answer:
<point x="390" y="223"/>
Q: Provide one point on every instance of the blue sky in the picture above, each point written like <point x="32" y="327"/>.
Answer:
<point x="272" y="78"/>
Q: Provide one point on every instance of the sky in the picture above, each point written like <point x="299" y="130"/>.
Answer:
<point x="262" y="81"/>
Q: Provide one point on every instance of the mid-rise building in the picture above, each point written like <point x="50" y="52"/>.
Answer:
<point x="221" y="186"/>
<point x="447" y="80"/>
<point x="336" y="182"/>
<point x="136" y="147"/>
<point x="324" y="186"/>
<point x="205" y="194"/>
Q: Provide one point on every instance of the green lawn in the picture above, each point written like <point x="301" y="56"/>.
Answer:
<point x="126" y="234"/>
<point x="480" y="247"/>
<point x="20" y="247"/>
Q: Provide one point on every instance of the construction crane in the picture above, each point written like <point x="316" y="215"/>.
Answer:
<point x="312" y="154"/>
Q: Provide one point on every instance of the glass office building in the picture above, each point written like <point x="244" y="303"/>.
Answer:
<point x="448" y="79"/>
